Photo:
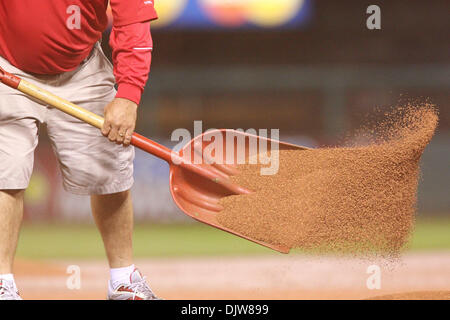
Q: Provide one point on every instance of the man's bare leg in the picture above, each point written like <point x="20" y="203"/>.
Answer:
<point x="11" y="213"/>
<point x="113" y="214"/>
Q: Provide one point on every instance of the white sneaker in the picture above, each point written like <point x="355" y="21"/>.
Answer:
<point x="8" y="291"/>
<point x="137" y="289"/>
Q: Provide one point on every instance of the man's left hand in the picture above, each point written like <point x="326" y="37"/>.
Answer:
<point x="120" y="121"/>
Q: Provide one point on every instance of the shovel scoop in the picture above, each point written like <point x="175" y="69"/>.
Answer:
<point x="196" y="182"/>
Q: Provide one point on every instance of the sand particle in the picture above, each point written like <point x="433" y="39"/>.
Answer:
<point x="358" y="199"/>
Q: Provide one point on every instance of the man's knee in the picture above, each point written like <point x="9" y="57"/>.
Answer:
<point x="116" y="196"/>
<point x="13" y="193"/>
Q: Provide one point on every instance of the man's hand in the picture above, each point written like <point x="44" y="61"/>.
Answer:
<point x="120" y="121"/>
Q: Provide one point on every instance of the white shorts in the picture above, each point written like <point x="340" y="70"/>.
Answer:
<point x="89" y="162"/>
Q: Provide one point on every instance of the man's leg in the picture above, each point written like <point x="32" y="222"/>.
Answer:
<point x="113" y="215"/>
<point x="19" y="118"/>
<point x="11" y="212"/>
<point x="92" y="165"/>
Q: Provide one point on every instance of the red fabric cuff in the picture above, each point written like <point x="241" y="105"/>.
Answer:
<point x="130" y="92"/>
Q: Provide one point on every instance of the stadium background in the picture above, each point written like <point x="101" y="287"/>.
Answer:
<point x="310" y="68"/>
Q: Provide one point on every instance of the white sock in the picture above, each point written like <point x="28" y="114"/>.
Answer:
<point x="121" y="275"/>
<point x="9" y="277"/>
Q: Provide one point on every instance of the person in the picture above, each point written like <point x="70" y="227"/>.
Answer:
<point x="55" y="44"/>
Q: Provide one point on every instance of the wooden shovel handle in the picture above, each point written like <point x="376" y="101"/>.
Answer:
<point x="61" y="104"/>
<point x="80" y="113"/>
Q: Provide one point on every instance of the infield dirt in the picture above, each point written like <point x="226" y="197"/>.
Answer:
<point x="425" y="275"/>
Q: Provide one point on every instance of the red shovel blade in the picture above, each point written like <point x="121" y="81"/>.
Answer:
<point x="197" y="196"/>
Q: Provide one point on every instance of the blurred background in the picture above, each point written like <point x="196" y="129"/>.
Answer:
<point x="310" y="68"/>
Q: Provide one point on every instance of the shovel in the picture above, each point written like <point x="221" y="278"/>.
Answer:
<point x="196" y="188"/>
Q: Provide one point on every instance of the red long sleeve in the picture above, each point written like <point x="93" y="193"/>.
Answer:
<point x="132" y="53"/>
<point x="132" y="45"/>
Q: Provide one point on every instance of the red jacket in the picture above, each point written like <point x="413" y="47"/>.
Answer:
<point x="55" y="36"/>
